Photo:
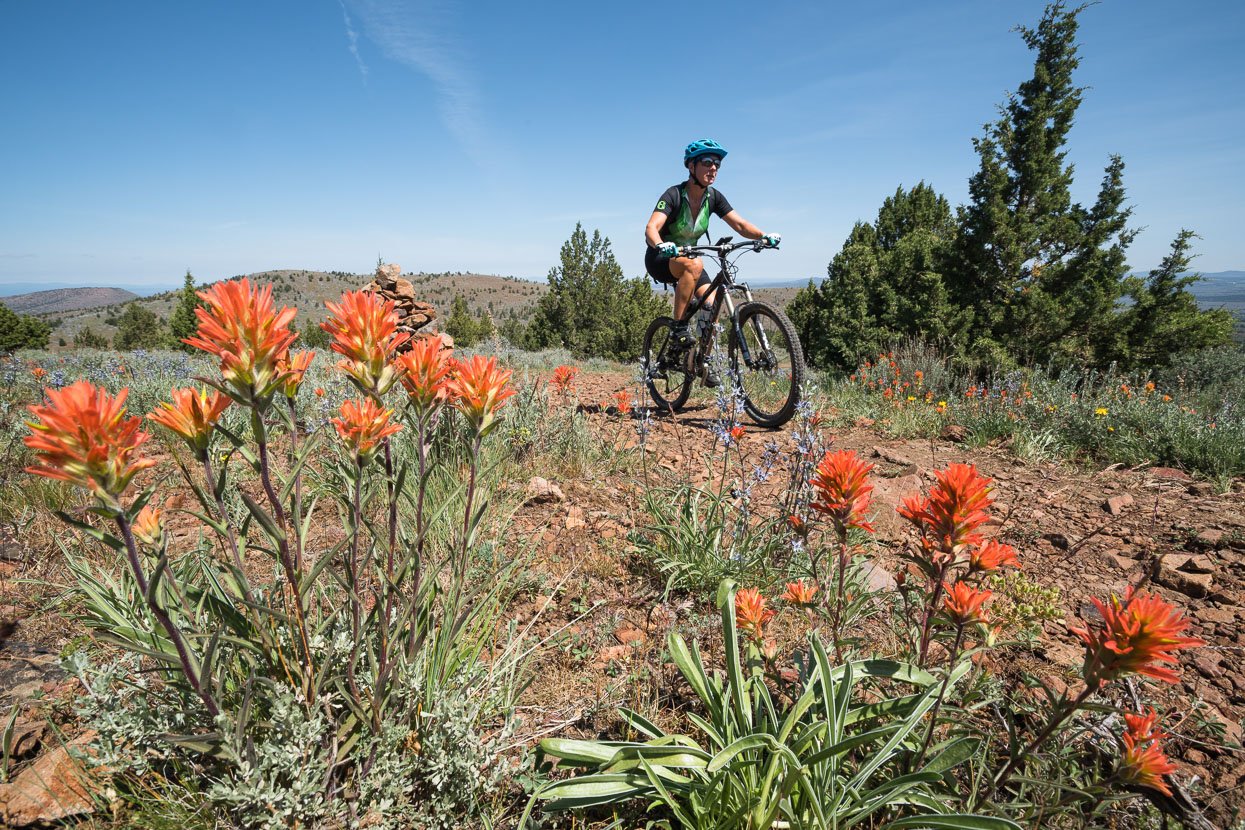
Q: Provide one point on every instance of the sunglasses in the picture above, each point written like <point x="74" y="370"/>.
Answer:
<point x="709" y="162"/>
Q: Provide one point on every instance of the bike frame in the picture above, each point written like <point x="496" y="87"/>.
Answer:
<point x="720" y="287"/>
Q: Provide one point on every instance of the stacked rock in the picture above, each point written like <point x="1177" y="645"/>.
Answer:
<point x="412" y="314"/>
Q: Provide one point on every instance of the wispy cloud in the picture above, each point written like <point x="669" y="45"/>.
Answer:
<point x="419" y="35"/>
<point x="353" y="37"/>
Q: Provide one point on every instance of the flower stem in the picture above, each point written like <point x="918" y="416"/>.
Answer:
<point x="942" y="693"/>
<point x="175" y="635"/>
<point x="1056" y="719"/>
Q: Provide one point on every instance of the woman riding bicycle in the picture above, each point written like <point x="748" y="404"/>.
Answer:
<point x="681" y="218"/>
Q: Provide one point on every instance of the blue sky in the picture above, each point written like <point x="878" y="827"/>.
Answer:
<point x="142" y="139"/>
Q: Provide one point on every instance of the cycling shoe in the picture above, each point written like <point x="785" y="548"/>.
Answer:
<point x="712" y="381"/>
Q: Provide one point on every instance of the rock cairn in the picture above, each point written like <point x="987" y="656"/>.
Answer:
<point x="413" y="315"/>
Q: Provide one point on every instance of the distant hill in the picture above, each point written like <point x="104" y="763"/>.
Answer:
<point x="60" y="300"/>
<point x="307" y="291"/>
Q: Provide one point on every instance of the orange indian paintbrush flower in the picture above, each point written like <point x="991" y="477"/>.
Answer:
<point x="949" y="517"/>
<point x="991" y="556"/>
<point x="239" y="326"/>
<point x="363" y="425"/>
<point x="623" y="402"/>
<point x="148" y="527"/>
<point x="1135" y="636"/>
<point x="480" y="388"/>
<point x="564" y="379"/>
<point x="292" y="368"/>
<point x="1143" y="762"/>
<point x="842" y="484"/>
<point x="799" y="593"/>
<point x="963" y="603"/>
<point x="752" y="613"/>
<point x="425" y="373"/>
<point x="364" y="329"/>
<point x="192" y="415"/>
<point x="84" y="438"/>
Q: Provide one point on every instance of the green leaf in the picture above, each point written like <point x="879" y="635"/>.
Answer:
<point x="589" y="790"/>
<point x="95" y="533"/>
<point x="956" y="752"/>
<point x="268" y="522"/>
<point x="581" y="753"/>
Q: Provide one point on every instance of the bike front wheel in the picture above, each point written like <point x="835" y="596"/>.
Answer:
<point x="767" y="362"/>
<point x="668" y="369"/>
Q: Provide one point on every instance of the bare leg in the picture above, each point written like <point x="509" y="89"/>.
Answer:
<point x="687" y="272"/>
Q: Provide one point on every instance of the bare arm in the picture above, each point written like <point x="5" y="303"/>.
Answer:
<point x="652" y="233"/>
<point x="742" y="226"/>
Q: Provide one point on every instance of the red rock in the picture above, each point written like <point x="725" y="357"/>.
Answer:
<point x="612" y="653"/>
<point x="52" y="789"/>
<point x="628" y="636"/>
<point x="542" y="490"/>
<point x="1207" y="667"/>
<point x="1168" y="473"/>
<point x="575" y="518"/>
<point x="954" y="432"/>
<point x="1116" y="504"/>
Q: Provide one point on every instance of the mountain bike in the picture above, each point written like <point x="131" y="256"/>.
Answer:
<point x="765" y="361"/>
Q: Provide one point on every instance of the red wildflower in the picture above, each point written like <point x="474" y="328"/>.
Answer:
<point x="39" y="372"/>
<point x="963" y="603"/>
<point x="991" y="556"/>
<point x="362" y="426"/>
<point x="364" y="330"/>
<point x="148" y="527"/>
<point x="798" y="524"/>
<point x="799" y="593"/>
<point x="319" y="392"/>
<point x="737" y="433"/>
<point x="752" y="613"/>
<point x="1143" y="762"/>
<point x="564" y="379"/>
<point x="425" y="375"/>
<point x="1135" y="636"/>
<point x="479" y="389"/>
<point x="239" y="326"/>
<point x="192" y="416"/>
<point x="842" y="484"/>
<point x="622" y="401"/>
<point x="83" y="437"/>
<point x="292" y="368"/>
<point x="949" y="517"/>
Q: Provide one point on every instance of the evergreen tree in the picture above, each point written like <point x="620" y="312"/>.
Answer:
<point x="885" y="284"/>
<point x="591" y="308"/>
<point x="22" y="331"/>
<point x="184" y="322"/>
<point x="138" y="327"/>
<point x="1164" y="318"/>
<point x="313" y="337"/>
<point x="460" y="324"/>
<point x="88" y="339"/>
<point x="1038" y="276"/>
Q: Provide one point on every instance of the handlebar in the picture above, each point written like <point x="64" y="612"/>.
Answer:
<point x="720" y="250"/>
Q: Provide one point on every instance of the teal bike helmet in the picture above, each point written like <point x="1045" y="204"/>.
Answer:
<point x="704" y="147"/>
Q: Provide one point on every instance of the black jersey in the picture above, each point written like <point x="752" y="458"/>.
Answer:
<point x="681" y="227"/>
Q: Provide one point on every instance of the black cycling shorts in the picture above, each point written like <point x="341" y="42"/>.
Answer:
<point x="658" y="268"/>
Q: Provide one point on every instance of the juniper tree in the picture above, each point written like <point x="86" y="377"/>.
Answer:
<point x="1164" y="318"/>
<point x="591" y="308"/>
<point x="184" y="322"/>
<point x="22" y="331"/>
<point x="138" y="327"/>
<point x="885" y="284"/>
<point x="1038" y="275"/>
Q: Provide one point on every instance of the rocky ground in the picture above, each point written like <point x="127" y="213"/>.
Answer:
<point x="1089" y="533"/>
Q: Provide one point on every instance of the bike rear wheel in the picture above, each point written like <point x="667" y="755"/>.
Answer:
<point x="767" y="362"/>
<point x="668" y="368"/>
